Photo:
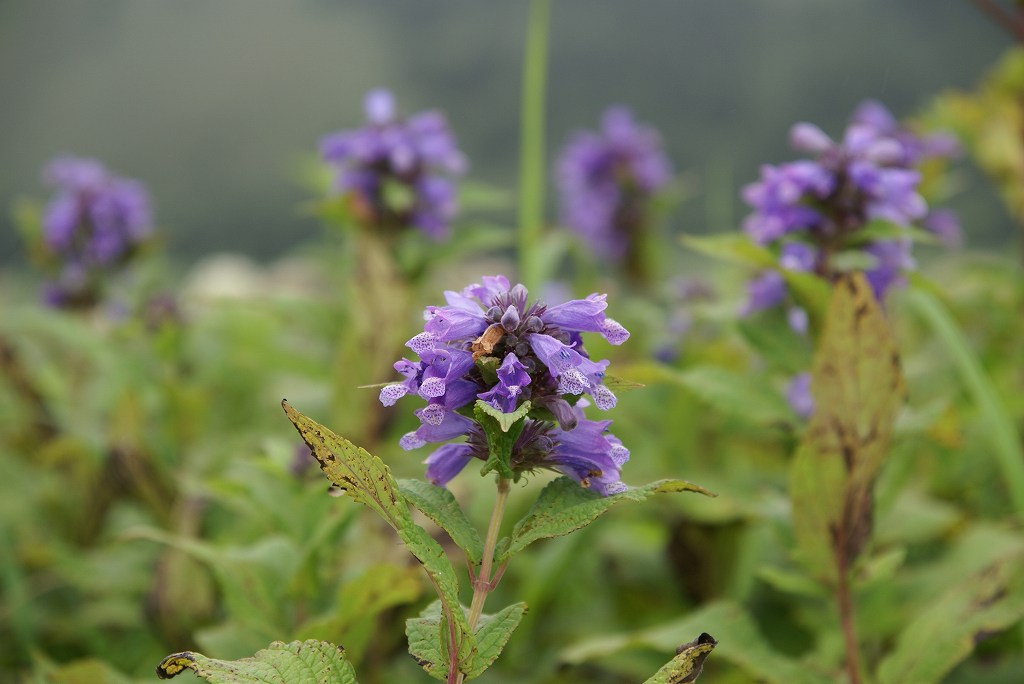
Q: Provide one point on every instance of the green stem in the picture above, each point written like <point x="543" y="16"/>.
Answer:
<point x="1006" y="444"/>
<point x="484" y="582"/>
<point x="531" y="141"/>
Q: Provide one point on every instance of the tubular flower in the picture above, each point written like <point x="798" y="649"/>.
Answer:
<point x="490" y="343"/>
<point x="94" y="223"/>
<point x="397" y="172"/>
<point x="816" y="207"/>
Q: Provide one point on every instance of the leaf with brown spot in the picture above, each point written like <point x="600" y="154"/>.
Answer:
<point x="366" y="479"/>
<point x="300" y="662"/>
<point x="858" y="390"/>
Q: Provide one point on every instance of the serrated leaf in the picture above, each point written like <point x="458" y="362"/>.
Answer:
<point x="299" y="662"/>
<point x="743" y="395"/>
<point x="564" y="506"/>
<point x="737" y="249"/>
<point x="948" y="630"/>
<point x="426" y="644"/>
<point x="688" y="663"/>
<point x="492" y="633"/>
<point x="439" y="504"/>
<point x="365" y="478"/>
<point x="858" y="389"/>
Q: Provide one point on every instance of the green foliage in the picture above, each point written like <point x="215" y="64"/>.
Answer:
<point x="858" y="389"/>
<point x="688" y="663"/>
<point x="439" y="504"/>
<point x="367" y="480"/>
<point x="564" y="506"/>
<point x="502" y="429"/>
<point x="299" y="662"/>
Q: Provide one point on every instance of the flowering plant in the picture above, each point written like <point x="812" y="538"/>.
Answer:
<point x="859" y="195"/>
<point x="607" y="181"/>
<point x="396" y="173"/>
<point x="93" y="225"/>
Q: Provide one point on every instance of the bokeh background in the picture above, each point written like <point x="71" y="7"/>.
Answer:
<point x="217" y="105"/>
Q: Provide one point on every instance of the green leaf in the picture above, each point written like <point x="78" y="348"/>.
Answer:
<point x="618" y="385"/>
<point x="565" y="506"/>
<point x="858" y="389"/>
<point x="427" y="645"/>
<point x="492" y="633"/>
<point x="300" y="662"/>
<point x="366" y="478"/>
<point x="502" y="431"/>
<point x="688" y="663"/>
<point x="810" y="292"/>
<point x="880" y="229"/>
<point x="505" y="420"/>
<point x="747" y="395"/>
<point x="745" y="646"/>
<point x="737" y="249"/>
<point x="948" y="630"/>
<point x="438" y="504"/>
<point x="1007" y="448"/>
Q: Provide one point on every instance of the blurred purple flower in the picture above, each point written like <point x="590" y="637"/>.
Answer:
<point x="94" y="223"/>
<point x="798" y="393"/>
<point x="397" y="173"/>
<point x="823" y="202"/>
<point x="606" y="180"/>
<point x="490" y="343"/>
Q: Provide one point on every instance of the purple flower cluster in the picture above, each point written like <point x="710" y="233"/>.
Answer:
<point x="491" y="344"/>
<point x="606" y="180"/>
<point x="396" y="172"/>
<point x="813" y="209"/>
<point x="94" y="223"/>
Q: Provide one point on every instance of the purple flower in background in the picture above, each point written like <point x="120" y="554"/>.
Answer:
<point x="606" y="180"/>
<point x="397" y="172"/>
<point x="93" y="224"/>
<point x="811" y="210"/>
<point x="798" y="393"/>
<point x="490" y="343"/>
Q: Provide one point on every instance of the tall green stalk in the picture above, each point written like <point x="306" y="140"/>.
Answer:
<point x="531" y="144"/>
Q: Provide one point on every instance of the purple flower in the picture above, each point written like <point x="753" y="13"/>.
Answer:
<point x="394" y="172"/>
<point x="94" y="223"/>
<point x="798" y="393"/>
<point x="818" y="205"/>
<point x="491" y="343"/>
<point x="606" y="180"/>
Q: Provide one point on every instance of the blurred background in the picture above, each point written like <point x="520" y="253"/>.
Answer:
<point x="217" y="105"/>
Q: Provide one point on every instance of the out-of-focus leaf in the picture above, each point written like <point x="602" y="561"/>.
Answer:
<point x="358" y="604"/>
<point x="737" y="249"/>
<point x="565" y="506"/>
<point x="368" y="480"/>
<point x="810" y="292"/>
<point x="1006" y="443"/>
<point x="492" y="633"/>
<point x="745" y="395"/>
<point x="87" y="671"/>
<point x="439" y="504"/>
<point x="299" y="662"/>
<point x="858" y="390"/>
<point x="688" y="663"/>
<point x="745" y="647"/>
<point x="950" y="627"/>
<point x="779" y="344"/>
